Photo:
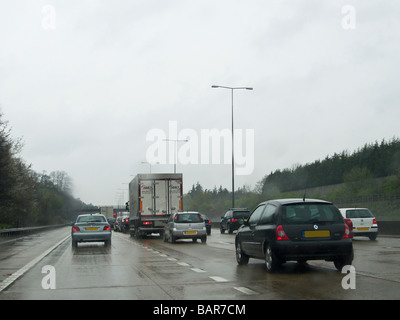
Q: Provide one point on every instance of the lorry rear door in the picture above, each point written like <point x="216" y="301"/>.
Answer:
<point x="146" y="206"/>
<point x="175" y="195"/>
<point x="161" y="197"/>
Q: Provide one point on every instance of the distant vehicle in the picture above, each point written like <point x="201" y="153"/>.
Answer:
<point x="111" y="221"/>
<point x="295" y="230"/>
<point x="233" y="219"/>
<point x="118" y="224"/>
<point x="364" y="222"/>
<point x="91" y="228"/>
<point x="185" y="225"/>
<point x="108" y="212"/>
<point x="124" y="226"/>
<point x="207" y="222"/>
<point x="152" y="199"/>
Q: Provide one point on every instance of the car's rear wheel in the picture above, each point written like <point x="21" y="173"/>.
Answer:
<point x="372" y="236"/>
<point x="241" y="257"/>
<point x="343" y="261"/>
<point x="272" y="263"/>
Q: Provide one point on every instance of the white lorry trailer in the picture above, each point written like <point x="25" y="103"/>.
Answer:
<point x="107" y="211"/>
<point x="152" y="199"/>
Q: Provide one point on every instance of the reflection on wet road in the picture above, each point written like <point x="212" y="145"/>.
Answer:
<point x="152" y="269"/>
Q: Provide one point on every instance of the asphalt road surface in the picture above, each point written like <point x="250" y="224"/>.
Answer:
<point x="46" y="266"/>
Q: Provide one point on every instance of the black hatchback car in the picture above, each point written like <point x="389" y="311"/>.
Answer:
<point x="295" y="230"/>
<point x="233" y="219"/>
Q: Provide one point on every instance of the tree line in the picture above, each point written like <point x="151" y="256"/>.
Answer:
<point x="373" y="160"/>
<point x="28" y="198"/>
<point x="373" y="169"/>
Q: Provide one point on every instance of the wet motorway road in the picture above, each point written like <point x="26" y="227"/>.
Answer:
<point x="152" y="269"/>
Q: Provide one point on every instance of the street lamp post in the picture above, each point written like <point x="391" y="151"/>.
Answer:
<point x="233" y="151"/>
<point x="175" y="148"/>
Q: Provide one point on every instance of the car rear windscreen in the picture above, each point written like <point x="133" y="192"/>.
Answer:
<point x="310" y="213"/>
<point x="359" y="213"/>
<point x="188" y="218"/>
<point x="241" y="214"/>
<point x="91" y="219"/>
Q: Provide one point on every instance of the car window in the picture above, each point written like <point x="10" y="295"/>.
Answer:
<point x="268" y="214"/>
<point x="359" y="213"/>
<point x="241" y="214"/>
<point x="310" y="213"/>
<point x="91" y="219"/>
<point x="255" y="216"/>
<point x="187" y="218"/>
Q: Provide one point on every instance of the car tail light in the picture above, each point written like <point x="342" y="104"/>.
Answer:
<point x="74" y="228"/>
<point x="349" y="223"/>
<point x="106" y="228"/>
<point x="234" y="220"/>
<point x="374" y="221"/>
<point x="280" y="233"/>
<point x="347" y="233"/>
<point x="146" y="223"/>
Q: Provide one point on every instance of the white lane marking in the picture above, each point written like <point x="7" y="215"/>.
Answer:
<point x="184" y="264"/>
<point x="218" y="279"/>
<point x="198" y="270"/>
<point x="29" y="265"/>
<point x="245" y="290"/>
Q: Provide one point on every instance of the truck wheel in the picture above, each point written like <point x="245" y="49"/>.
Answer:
<point x="137" y="233"/>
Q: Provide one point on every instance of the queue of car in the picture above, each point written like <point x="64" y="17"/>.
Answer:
<point x="276" y="231"/>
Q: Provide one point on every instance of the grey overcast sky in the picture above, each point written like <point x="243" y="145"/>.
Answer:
<point x="87" y="84"/>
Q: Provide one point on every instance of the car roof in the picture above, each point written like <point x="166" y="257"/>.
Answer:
<point x="295" y="201"/>
<point x="353" y="209"/>
<point x="91" y="214"/>
<point x="187" y="212"/>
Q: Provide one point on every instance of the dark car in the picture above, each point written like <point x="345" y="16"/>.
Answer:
<point x="111" y="222"/>
<point x="233" y="219"/>
<point x="295" y="230"/>
<point x="207" y="222"/>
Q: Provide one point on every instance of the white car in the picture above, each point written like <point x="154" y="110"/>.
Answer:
<point x="364" y="222"/>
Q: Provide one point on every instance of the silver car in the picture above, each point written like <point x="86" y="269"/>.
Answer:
<point x="185" y="225"/>
<point x="91" y="228"/>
